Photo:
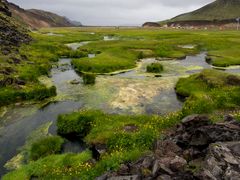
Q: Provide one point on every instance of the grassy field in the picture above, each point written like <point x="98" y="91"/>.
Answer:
<point x="125" y="51"/>
<point x="209" y="91"/>
<point x="122" y="53"/>
<point x="126" y="137"/>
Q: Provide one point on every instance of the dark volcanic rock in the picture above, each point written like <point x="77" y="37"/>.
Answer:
<point x="166" y="148"/>
<point x="194" y="121"/>
<point x="4" y="8"/>
<point x="12" y="34"/>
<point x="197" y="150"/>
<point x="133" y="177"/>
<point x="178" y="164"/>
<point x="198" y="131"/>
<point x="222" y="161"/>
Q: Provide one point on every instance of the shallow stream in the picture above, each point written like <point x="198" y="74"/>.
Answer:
<point x="131" y="92"/>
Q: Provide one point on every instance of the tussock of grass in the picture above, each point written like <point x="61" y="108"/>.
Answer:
<point x="77" y="124"/>
<point x="155" y="68"/>
<point x="208" y="91"/>
<point x="33" y="92"/>
<point x="45" y="147"/>
<point x="89" y="78"/>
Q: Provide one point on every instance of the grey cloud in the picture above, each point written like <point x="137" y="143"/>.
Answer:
<point x="114" y="12"/>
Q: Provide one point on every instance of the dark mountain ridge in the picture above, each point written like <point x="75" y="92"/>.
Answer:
<point x="35" y="18"/>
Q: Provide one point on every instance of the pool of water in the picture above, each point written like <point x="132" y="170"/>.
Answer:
<point x="187" y="46"/>
<point x="91" y="55"/>
<point x="14" y="135"/>
<point x="76" y="45"/>
<point x="53" y="34"/>
<point x="110" y="38"/>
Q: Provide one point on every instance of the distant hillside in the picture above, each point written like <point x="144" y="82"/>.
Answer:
<point x="38" y="18"/>
<point x="220" y="12"/>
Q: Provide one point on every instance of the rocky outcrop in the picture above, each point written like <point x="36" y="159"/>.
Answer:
<point x="4" y="8"/>
<point x="198" y="149"/>
<point x="12" y="34"/>
<point x="151" y="24"/>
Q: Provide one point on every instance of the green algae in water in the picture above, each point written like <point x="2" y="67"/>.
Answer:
<point x="3" y="111"/>
<point x="46" y="81"/>
<point x="16" y="112"/>
<point x="22" y="157"/>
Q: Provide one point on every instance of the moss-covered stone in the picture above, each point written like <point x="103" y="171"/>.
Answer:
<point x="155" y="68"/>
<point x="45" y="147"/>
<point x="89" y="78"/>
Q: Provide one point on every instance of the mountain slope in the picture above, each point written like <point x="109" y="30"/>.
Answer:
<point x="217" y="13"/>
<point x="38" y="18"/>
<point x="218" y="10"/>
<point x="12" y="34"/>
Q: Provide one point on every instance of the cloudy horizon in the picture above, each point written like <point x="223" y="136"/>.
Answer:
<point x="114" y="12"/>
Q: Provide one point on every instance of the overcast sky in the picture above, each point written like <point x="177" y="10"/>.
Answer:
<point x="114" y="12"/>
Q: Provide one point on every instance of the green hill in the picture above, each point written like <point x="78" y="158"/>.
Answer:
<point x="218" y="10"/>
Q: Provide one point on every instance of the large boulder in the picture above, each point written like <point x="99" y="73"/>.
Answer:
<point x="222" y="161"/>
<point x="198" y="131"/>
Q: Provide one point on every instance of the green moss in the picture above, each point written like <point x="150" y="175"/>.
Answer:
<point x="155" y="68"/>
<point x="78" y="54"/>
<point x="45" y="147"/>
<point x="76" y="124"/>
<point x="23" y="156"/>
<point x="67" y="166"/>
<point x="34" y="92"/>
<point x="208" y="91"/>
<point x="140" y="55"/>
<point x="89" y="78"/>
<point x="73" y="166"/>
